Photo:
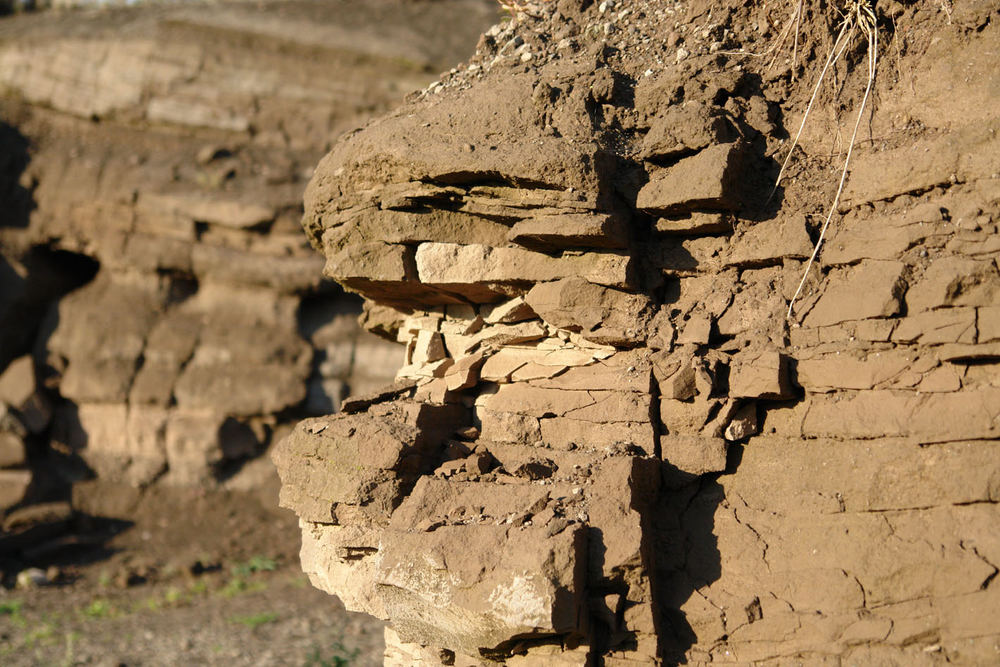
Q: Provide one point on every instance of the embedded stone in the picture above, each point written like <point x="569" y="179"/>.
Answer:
<point x="14" y="485"/>
<point x="695" y="223"/>
<point x="954" y="281"/>
<point x="427" y="347"/>
<point x="868" y="290"/>
<point x="12" y="452"/>
<point x="708" y="180"/>
<point x="509" y="312"/>
<point x="771" y="242"/>
<point x="570" y="230"/>
<point x="464" y="373"/>
<point x="694" y="454"/>
<point x="17" y="382"/>
<point x="601" y="315"/>
<point x="946" y="325"/>
<point x="576" y="434"/>
<point x="743" y="425"/>
<point x="680" y="129"/>
<point x="453" y="265"/>
<point x="759" y="375"/>
<point x="508" y="426"/>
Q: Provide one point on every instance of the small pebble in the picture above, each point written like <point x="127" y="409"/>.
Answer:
<point x="33" y="577"/>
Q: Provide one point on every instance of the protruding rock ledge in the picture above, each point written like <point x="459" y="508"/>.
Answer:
<point x="642" y="451"/>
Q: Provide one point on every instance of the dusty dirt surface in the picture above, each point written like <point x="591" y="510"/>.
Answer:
<point x="170" y="577"/>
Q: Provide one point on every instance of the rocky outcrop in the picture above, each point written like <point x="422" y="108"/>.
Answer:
<point x="607" y="444"/>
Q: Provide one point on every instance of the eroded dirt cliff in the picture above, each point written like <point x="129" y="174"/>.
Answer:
<point x="608" y="444"/>
<point x="163" y="320"/>
<point x="153" y="166"/>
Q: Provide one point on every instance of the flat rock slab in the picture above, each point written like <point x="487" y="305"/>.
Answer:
<point x="456" y="265"/>
<point x="871" y="289"/>
<point x="771" y="242"/>
<point x="877" y="414"/>
<point x="603" y="316"/>
<point x="500" y="582"/>
<point x="353" y="404"/>
<point x="707" y="181"/>
<point x="696" y="223"/>
<point x="571" y="230"/>
<point x="919" y="166"/>
<point x="760" y="375"/>
<point x="684" y="128"/>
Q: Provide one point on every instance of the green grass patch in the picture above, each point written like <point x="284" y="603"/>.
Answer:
<point x="238" y="586"/>
<point x="233" y="587"/>
<point x="13" y="609"/>
<point x="338" y="655"/>
<point x="42" y="633"/>
<point x="254" y="565"/>
<point x="99" y="608"/>
<point x="71" y="638"/>
<point x="242" y="573"/>
<point x="172" y="597"/>
<point x="256" y="620"/>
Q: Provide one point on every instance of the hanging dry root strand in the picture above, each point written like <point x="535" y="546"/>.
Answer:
<point x="793" y="24"/>
<point x="793" y="21"/>
<point x="859" y="17"/>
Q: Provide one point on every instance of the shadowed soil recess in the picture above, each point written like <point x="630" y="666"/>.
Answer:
<point x="608" y="444"/>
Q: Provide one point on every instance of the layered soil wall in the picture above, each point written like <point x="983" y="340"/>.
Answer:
<point x="609" y="444"/>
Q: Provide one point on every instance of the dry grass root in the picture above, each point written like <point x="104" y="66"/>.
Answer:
<point x="858" y="18"/>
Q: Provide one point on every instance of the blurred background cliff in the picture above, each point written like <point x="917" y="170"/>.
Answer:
<point x="163" y="320"/>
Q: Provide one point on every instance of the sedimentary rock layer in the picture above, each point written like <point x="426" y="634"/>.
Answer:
<point x="607" y="443"/>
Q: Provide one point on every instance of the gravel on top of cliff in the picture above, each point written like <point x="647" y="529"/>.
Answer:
<point x="638" y="38"/>
<point x="696" y="39"/>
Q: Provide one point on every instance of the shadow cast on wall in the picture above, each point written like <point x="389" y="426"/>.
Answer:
<point x="42" y="529"/>
<point x="16" y="200"/>
<point x="680" y="549"/>
<point x="680" y="546"/>
<point x="683" y="555"/>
